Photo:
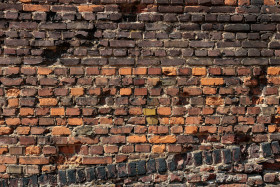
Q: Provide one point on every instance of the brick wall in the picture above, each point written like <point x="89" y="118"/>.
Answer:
<point x="130" y="92"/>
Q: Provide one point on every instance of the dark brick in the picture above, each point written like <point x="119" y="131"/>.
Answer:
<point x="90" y="174"/>
<point x="151" y="166"/>
<point x="237" y="27"/>
<point x="121" y="61"/>
<point x="208" y="157"/>
<point x="275" y="147"/>
<point x="122" y="172"/>
<point x="112" y="171"/>
<point x="217" y="156"/>
<point x="101" y="173"/>
<point x="267" y="152"/>
<point x="62" y="177"/>
<point x="197" y="158"/>
<point x="161" y="165"/>
<point x="81" y="176"/>
<point x="94" y="61"/>
<point x="131" y="167"/>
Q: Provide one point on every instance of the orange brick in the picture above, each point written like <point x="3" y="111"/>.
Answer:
<point x="209" y="90"/>
<point x="13" y="102"/>
<point x="77" y="91"/>
<point x="108" y="121"/>
<point x="164" y="121"/>
<point x="13" y="92"/>
<point x="32" y="150"/>
<point x="26" y="111"/>
<point x="111" y="149"/>
<point x="208" y="129"/>
<point x="269" y="2"/>
<point x="2" y="168"/>
<point x="170" y="71"/>
<point x="194" y="120"/>
<point x="135" y="111"/>
<point x="158" y="148"/>
<point x="57" y="111"/>
<point x="243" y="2"/>
<point x="153" y="81"/>
<point x="36" y="160"/>
<point x="8" y="159"/>
<point x="44" y="71"/>
<point x="136" y="139"/>
<point x="12" y="121"/>
<point x="108" y="71"/>
<point x="230" y="2"/>
<point x="5" y="130"/>
<point x="48" y="168"/>
<point x="125" y="91"/>
<point x="139" y="71"/>
<point x="191" y="129"/>
<point x="125" y="71"/>
<point x="274" y="80"/>
<point x="3" y="150"/>
<point x="97" y="160"/>
<point x="212" y="81"/>
<point x="214" y="101"/>
<point x="164" y="111"/>
<point x="75" y="121"/>
<point x="90" y="8"/>
<point x="163" y="139"/>
<point x="48" y="101"/>
<point x="61" y="131"/>
<point x="37" y="8"/>
<point x="272" y="128"/>
<point x="177" y="121"/>
<point x="273" y="70"/>
<point x="199" y="71"/>
<point x="23" y="130"/>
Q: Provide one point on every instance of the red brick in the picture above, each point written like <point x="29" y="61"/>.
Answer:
<point x="37" y="8"/>
<point x="39" y="160"/>
<point x="97" y="160"/>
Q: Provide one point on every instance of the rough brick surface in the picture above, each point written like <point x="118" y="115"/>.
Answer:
<point x="139" y="93"/>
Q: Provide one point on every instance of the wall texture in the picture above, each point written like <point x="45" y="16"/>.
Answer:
<point x="150" y="92"/>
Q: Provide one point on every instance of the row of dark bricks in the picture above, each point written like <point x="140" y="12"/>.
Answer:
<point x="116" y="44"/>
<point x="149" y="53"/>
<point x="159" y="165"/>
<point x="211" y="40"/>
<point x="76" y="53"/>
<point x="147" y="17"/>
<point x="144" y="62"/>
<point x="88" y="25"/>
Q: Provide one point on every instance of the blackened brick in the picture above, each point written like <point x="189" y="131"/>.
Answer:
<point x="62" y="177"/>
<point x="122" y="172"/>
<point x="151" y="166"/>
<point x="112" y="171"/>
<point x="90" y="174"/>
<point x="131" y="167"/>
<point x="197" y="158"/>
<point x="101" y="173"/>
<point x="161" y="165"/>
<point x="266" y="149"/>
